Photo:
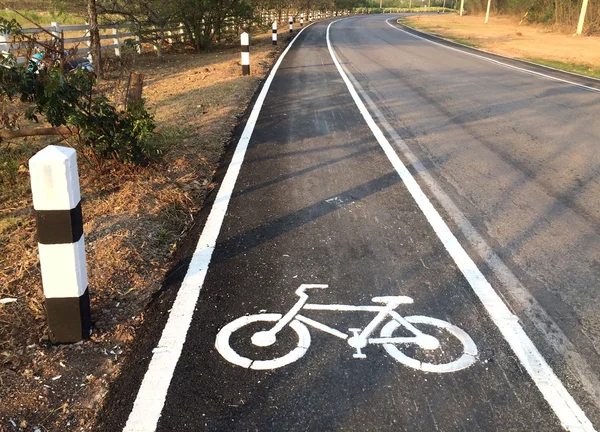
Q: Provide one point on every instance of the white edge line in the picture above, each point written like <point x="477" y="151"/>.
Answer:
<point x="151" y="397"/>
<point x="561" y="402"/>
<point x="540" y="318"/>
<point x="495" y="54"/>
<point x="498" y="55"/>
<point x="583" y="86"/>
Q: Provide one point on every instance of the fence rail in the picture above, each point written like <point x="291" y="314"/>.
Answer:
<point x="109" y="32"/>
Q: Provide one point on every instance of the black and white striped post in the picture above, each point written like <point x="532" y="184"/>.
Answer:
<point x="291" y="24"/>
<point x="301" y="22"/>
<point x="245" y="39"/>
<point x="274" y="32"/>
<point x="57" y="205"/>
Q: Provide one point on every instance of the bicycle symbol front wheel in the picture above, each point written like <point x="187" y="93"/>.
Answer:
<point x="223" y="343"/>
<point x="452" y="335"/>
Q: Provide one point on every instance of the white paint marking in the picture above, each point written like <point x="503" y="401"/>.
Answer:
<point x="523" y="298"/>
<point x="499" y="62"/>
<point x="562" y="403"/>
<point x="153" y="391"/>
<point x="359" y="340"/>
<point x="322" y="327"/>
<point x="63" y="268"/>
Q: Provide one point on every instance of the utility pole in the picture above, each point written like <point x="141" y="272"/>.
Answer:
<point x="582" y="16"/>
<point x="380" y="4"/>
<point x="462" y="4"/>
<point x="487" y="12"/>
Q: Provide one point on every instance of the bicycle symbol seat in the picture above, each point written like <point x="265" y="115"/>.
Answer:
<point x="359" y="338"/>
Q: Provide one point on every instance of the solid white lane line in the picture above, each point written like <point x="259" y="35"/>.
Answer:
<point x="523" y="298"/>
<point x="562" y="403"/>
<point x="153" y="391"/>
<point x="497" y="61"/>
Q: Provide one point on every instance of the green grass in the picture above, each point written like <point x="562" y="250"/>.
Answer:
<point x="581" y="69"/>
<point x="432" y="31"/>
<point x="42" y="18"/>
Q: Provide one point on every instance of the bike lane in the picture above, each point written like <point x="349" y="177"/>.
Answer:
<point x="317" y="202"/>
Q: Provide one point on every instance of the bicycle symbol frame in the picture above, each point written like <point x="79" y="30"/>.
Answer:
<point x="359" y="338"/>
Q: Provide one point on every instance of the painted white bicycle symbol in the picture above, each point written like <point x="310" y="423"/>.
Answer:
<point x="360" y="337"/>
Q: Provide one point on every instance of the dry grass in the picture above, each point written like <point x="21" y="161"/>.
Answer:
<point x="504" y="35"/>
<point x="134" y="220"/>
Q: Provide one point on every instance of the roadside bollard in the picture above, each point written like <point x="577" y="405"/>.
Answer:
<point x="245" y="39"/>
<point x="57" y="205"/>
<point x="274" y="32"/>
<point x="291" y="25"/>
<point x="301" y="22"/>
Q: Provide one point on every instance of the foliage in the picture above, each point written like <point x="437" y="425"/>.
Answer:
<point x="67" y="99"/>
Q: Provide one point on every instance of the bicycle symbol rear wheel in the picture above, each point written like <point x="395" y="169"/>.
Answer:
<point x="469" y="349"/>
<point x="223" y="345"/>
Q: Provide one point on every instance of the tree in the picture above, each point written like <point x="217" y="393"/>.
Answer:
<point x="95" y="48"/>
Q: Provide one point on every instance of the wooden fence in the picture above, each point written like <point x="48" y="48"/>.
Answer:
<point x="77" y="37"/>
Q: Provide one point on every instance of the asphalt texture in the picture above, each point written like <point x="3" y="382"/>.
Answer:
<point x="318" y="202"/>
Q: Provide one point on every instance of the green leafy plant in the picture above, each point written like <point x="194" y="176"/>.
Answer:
<point x="99" y="130"/>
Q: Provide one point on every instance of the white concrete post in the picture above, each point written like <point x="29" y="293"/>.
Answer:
<point x="274" y="32"/>
<point x="4" y="43"/>
<point x="462" y="7"/>
<point x="57" y="205"/>
<point x="301" y="22"/>
<point x="245" y="40"/>
<point x="582" y="17"/>
<point x="56" y="29"/>
<point x="116" y="42"/>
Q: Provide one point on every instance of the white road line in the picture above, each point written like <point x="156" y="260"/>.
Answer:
<point x="151" y="397"/>
<point x="523" y="299"/>
<point x="497" y="61"/>
<point x="562" y="403"/>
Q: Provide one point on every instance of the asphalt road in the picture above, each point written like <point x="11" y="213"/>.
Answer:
<point x="508" y="160"/>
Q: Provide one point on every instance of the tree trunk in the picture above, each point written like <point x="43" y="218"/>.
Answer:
<point x="95" y="39"/>
<point x="134" y="89"/>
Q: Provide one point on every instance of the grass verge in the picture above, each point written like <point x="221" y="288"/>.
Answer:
<point x="435" y="32"/>
<point x="581" y="69"/>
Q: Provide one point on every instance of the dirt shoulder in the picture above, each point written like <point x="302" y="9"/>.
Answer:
<point x="503" y="35"/>
<point x="134" y="221"/>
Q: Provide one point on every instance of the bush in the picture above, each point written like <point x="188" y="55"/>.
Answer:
<point x="100" y="131"/>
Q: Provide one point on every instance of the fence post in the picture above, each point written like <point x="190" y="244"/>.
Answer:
<point x="245" y="40"/>
<point x="274" y="32"/>
<point x="56" y="31"/>
<point x="4" y="43"/>
<point x="181" y="28"/>
<point x="116" y="42"/>
<point x="291" y="24"/>
<point x="57" y="205"/>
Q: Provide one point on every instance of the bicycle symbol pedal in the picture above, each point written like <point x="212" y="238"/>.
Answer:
<point x="360" y="338"/>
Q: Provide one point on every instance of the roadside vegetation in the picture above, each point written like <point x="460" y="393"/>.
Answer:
<point x="562" y="15"/>
<point x="507" y="36"/>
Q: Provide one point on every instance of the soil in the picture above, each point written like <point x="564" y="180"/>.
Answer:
<point x="134" y="220"/>
<point x="503" y="35"/>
